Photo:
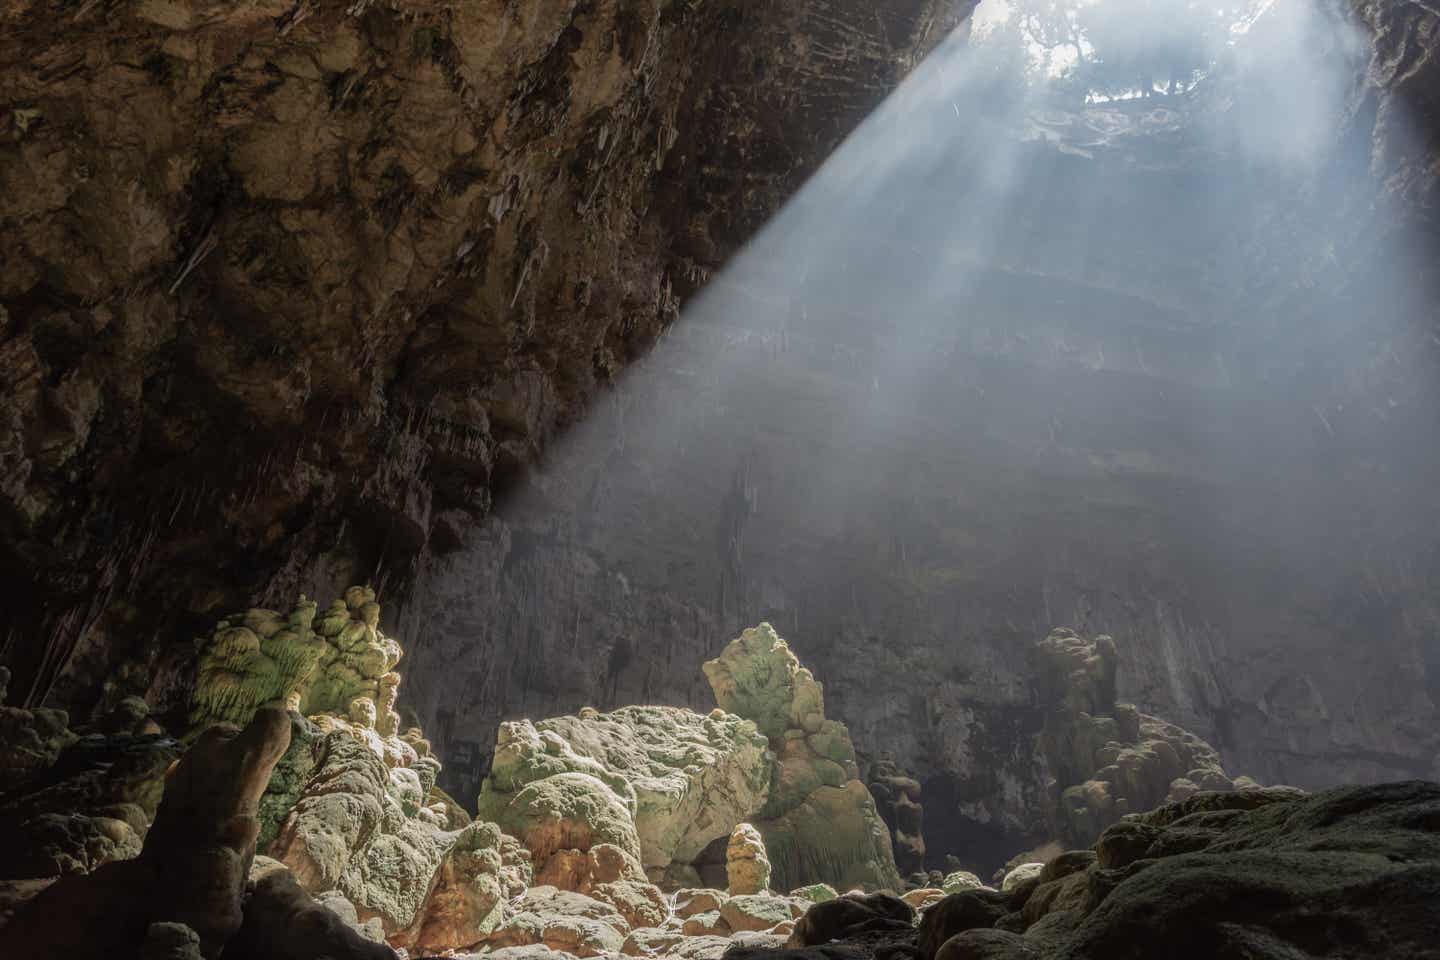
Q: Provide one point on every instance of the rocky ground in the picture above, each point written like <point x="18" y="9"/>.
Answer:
<point x="298" y="817"/>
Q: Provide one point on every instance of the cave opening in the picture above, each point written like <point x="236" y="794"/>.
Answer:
<point x="923" y="455"/>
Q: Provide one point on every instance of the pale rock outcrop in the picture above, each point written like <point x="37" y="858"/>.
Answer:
<point x="747" y="868"/>
<point x="313" y="664"/>
<point x="685" y="778"/>
<point x="755" y="912"/>
<point x="565" y="812"/>
<point x="481" y="871"/>
<point x="350" y="807"/>
<point x="819" y="822"/>
<point x="562" y="920"/>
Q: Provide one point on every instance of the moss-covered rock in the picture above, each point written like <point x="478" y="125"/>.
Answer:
<point x="820" y="822"/>
<point x="685" y="778"/>
<point x="815" y="892"/>
<point x="568" y="811"/>
<point x="314" y="664"/>
<point x="1109" y="758"/>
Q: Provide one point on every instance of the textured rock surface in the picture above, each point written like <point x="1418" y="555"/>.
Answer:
<point x="1268" y="874"/>
<point x="686" y="778"/>
<point x="747" y="868"/>
<point x="1091" y="424"/>
<point x="820" y="822"/>
<point x="339" y="662"/>
<point x="1107" y="758"/>
<point x="73" y="800"/>
<point x="195" y="865"/>
<point x="290" y="294"/>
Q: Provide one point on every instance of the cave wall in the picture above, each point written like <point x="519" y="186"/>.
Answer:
<point x="1197" y="420"/>
<point x="288" y="292"/>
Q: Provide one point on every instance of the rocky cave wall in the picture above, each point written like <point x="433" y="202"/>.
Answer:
<point x="1210" y="443"/>
<point x="291" y="294"/>
<point x="288" y="292"/>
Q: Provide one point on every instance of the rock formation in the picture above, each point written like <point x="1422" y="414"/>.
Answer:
<point x="747" y="867"/>
<point x="1271" y="874"/>
<point x="401" y="247"/>
<point x="1107" y="758"/>
<point x="819" y="821"/>
<point x="337" y="663"/>
<point x="1084" y="434"/>
<point x="659" y="782"/>
<point x="897" y="799"/>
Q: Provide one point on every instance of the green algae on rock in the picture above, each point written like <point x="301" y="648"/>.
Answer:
<point x="685" y="779"/>
<point x="820" y="822"/>
<point x="314" y="664"/>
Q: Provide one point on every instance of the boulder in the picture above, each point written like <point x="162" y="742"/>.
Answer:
<point x="923" y="897"/>
<point x="755" y="912"/>
<point x="283" y="922"/>
<point x="482" y="869"/>
<point x="819" y="822"/>
<point x="650" y="942"/>
<point x="1019" y="874"/>
<point x="815" y="893"/>
<point x="852" y="915"/>
<point x="708" y="923"/>
<point x="562" y="920"/>
<point x="686" y="778"/>
<point x="987" y="945"/>
<point x="961" y="880"/>
<point x="956" y="913"/>
<point x="690" y="902"/>
<point x="640" y="903"/>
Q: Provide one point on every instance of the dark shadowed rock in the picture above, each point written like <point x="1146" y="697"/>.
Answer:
<point x="283" y="922"/>
<point x="967" y="910"/>
<point x="987" y="945"/>
<point x="850" y="916"/>
<point x="193" y="869"/>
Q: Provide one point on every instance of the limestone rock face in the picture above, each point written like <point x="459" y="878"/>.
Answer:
<point x="562" y="920"/>
<point x="746" y="865"/>
<point x="482" y="870"/>
<point x="820" y="822"/>
<point x="1108" y="758"/>
<point x="852" y="915"/>
<point x="266" y="382"/>
<point x="334" y="663"/>
<point x="685" y="778"/>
